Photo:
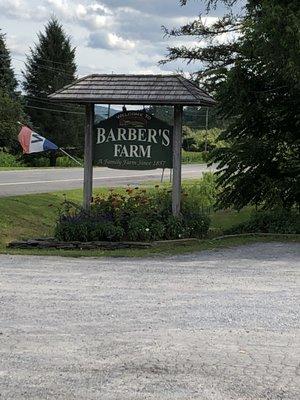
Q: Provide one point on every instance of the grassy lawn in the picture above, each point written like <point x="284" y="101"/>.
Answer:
<point x="161" y="250"/>
<point x="221" y="220"/>
<point x="29" y="168"/>
<point x="188" y="157"/>
<point x="14" y="168"/>
<point x="33" y="216"/>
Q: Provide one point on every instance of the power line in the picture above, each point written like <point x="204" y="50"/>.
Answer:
<point x="51" y="109"/>
<point x="40" y="100"/>
<point x="41" y="58"/>
<point x="52" y="61"/>
<point x="46" y="67"/>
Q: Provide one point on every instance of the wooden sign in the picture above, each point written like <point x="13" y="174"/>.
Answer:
<point x="133" y="140"/>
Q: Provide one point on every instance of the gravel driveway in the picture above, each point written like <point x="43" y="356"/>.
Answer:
<point x="215" y="325"/>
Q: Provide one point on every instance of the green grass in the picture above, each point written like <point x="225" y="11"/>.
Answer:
<point x="33" y="216"/>
<point x="159" y="250"/>
<point x="192" y="157"/>
<point x="225" y="219"/>
<point x="13" y="168"/>
<point x="29" y="167"/>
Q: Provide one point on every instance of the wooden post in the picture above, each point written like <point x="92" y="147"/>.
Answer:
<point x="177" y="141"/>
<point x="206" y="129"/>
<point x="88" y="157"/>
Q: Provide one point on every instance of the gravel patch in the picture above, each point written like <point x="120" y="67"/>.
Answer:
<point x="221" y="325"/>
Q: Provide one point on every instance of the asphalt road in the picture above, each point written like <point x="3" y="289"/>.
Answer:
<point x="211" y="326"/>
<point x="48" y="180"/>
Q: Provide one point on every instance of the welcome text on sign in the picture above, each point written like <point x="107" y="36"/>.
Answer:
<point x="150" y="135"/>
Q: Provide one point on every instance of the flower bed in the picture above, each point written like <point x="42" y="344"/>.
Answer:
<point x="133" y="215"/>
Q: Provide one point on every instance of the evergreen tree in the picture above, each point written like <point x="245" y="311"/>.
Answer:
<point x="8" y="81"/>
<point x="11" y="110"/>
<point x="255" y="77"/>
<point x="49" y="67"/>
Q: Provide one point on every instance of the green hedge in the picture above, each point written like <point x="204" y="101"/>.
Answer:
<point x="269" y="221"/>
<point x="140" y="215"/>
<point x="9" y="160"/>
<point x="192" y="157"/>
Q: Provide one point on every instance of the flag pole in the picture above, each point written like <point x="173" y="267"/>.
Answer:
<point x="162" y="175"/>
<point x="69" y="155"/>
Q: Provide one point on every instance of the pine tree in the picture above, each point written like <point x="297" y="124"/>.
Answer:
<point x="49" y="67"/>
<point x="8" y="81"/>
<point x="255" y="78"/>
<point x="11" y="110"/>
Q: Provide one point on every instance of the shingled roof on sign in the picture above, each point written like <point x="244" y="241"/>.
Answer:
<point x="133" y="89"/>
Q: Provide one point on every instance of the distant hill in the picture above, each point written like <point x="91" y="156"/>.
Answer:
<point x="101" y="112"/>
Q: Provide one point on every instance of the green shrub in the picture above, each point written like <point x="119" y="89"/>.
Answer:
<point x="157" y="230"/>
<point x="67" y="162"/>
<point x="198" y="140"/>
<point x="139" y="229"/>
<point x="70" y="230"/>
<point x="138" y="215"/>
<point x="176" y="228"/>
<point x="36" y="160"/>
<point x="197" y="224"/>
<point x="192" y="157"/>
<point x="201" y="195"/>
<point x="9" y="160"/>
<point x="87" y="230"/>
<point x="270" y="221"/>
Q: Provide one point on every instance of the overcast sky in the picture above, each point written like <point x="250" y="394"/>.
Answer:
<point x="120" y="36"/>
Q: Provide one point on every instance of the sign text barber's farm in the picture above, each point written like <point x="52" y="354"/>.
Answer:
<point x="133" y="140"/>
<point x="129" y="149"/>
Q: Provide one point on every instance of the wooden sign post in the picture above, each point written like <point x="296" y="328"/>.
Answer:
<point x="171" y="90"/>
<point x="88" y="157"/>
<point x="177" y="141"/>
<point x="176" y="158"/>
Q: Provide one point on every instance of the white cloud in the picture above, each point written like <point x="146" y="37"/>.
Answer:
<point x="90" y="15"/>
<point x="119" y="35"/>
<point x="93" y="16"/>
<point x="109" y="40"/>
<point x="62" y="7"/>
<point x="96" y="7"/>
<point x="13" y="8"/>
<point x="117" y="42"/>
<point x="16" y="47"/>
<point x="81" y="11"/>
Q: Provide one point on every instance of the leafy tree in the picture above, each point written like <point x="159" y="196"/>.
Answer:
<point x="215" y="56"/>
<point x="165" y="113"/>
<point x="49" y="67"/>
<point x="193" y="117"/>
<point x="11" y="110"/>
<point x="198" y="118"/>
<point x="255" y="78"/>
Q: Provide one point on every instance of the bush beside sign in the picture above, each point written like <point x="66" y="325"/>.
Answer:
<point x="133" y="140"/>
